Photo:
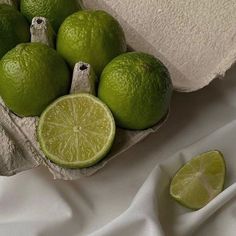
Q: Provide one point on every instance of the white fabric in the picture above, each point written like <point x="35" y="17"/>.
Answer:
<point x="130" y="195"/>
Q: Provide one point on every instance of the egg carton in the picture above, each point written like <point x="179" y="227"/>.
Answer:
<point x="196" y="40"/>
<point x="20" y="149"/>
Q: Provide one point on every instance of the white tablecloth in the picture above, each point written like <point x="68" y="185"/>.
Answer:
<point x="130" y="195"/>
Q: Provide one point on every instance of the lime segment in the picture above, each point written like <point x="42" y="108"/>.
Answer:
<point x="76" y="131"/>
<point x="200" y="180"/>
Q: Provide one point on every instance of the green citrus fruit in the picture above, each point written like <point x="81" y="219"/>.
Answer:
<point x="14" y="28"/>
<point x="32" y="75"/>
<point x="54" y="10"/>
<point x="137" y="88"/>
<point x="94" y="37"/>
<point x="199" y="180"/>
<point x="76" y="131"/>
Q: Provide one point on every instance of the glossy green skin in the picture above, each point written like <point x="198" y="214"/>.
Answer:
<point x="54" y="10"/>
<point x="94" y="37"/>
<point x="32" y="75"/>
<point x="14" y="28"/>
<point x="137" y="88"/>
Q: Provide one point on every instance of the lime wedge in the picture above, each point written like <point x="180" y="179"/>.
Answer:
<point x="199" y="180"/>
<point x="76" y="131"/>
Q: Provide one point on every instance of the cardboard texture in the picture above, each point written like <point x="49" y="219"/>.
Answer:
<point x="195" y="39"/>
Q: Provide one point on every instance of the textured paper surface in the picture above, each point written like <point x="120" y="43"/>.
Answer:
<point x="195" y="39"/>
<point x="17" y="152"/>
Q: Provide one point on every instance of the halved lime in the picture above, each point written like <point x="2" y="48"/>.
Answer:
<point x="76" y="131"/>
<point x="199" y="180"/>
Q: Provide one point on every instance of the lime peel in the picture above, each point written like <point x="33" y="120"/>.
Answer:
<point x="93" y="36"/>
<point x="14" y="28"/>
<point x="55" y="11"/>
<point x="9" y="2"/>
<point x="137" y="88"/>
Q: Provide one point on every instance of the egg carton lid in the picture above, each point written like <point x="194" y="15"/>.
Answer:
<point x="196" y="40"/>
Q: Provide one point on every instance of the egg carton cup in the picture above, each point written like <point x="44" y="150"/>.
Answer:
<point x="20" y="149"/>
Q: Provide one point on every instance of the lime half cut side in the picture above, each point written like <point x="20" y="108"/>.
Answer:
<point x="199" y="180"/>
<point x="76" y="131"/>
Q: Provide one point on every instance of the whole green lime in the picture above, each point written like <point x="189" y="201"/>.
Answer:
<point x="137" y="88"/>
<point x="32" y="75"/>
<point x="14" y="28"/>
<point x="94" y="37"/>
<point x="54" y="10"/>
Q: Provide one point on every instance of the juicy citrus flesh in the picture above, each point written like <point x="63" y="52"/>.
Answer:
<point x="137" y="88"/>
<point x="54" y="10"/>
<point x="32" y="75"/>
<point x="14" y="28"/>
<point x="76" y="131"/>
<point x="94" y="37"/>
<point x="200" y="180"/>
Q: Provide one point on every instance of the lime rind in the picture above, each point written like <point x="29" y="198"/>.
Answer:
<point x="80" y="163"/>
<point x="55" y="11"/>
<point x="9" y="2"/>
<point x="100" y="39"/>
<point x="206" y="182"/>
<point x="137" y="88"/>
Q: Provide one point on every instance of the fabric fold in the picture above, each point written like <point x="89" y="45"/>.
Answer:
<point x="154" y="213"/>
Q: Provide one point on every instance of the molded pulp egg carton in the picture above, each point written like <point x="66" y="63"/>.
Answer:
<point x="195" y="39"/>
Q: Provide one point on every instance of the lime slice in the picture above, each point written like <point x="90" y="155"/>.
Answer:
<point x="200" y="180"/>
<point x="76" y="131"/>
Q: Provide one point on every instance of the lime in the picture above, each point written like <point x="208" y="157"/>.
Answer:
<point x="137" y="88"/>
<point x="54" y="10"/>
<point x="14" y="28"/>
<point x="200" y="180"/>
<point x="94" y="37"/>
<point x="13" y="3"/>
<point x="32" y="75"/>
<point x="76" y="131"/>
